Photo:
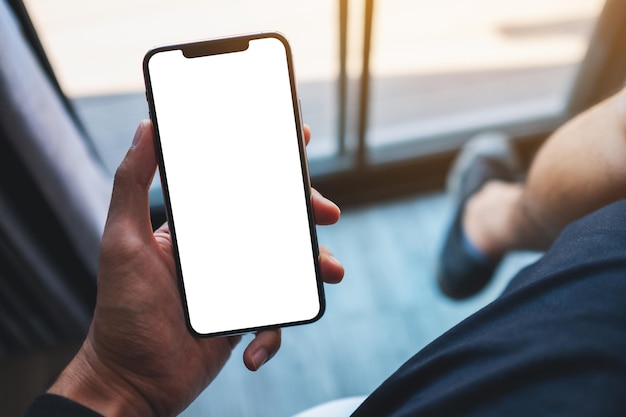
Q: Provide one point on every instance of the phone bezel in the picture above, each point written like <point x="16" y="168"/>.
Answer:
<point x="216" y="46"/>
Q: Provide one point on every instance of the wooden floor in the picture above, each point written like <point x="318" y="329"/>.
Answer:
<point x="387" y="308"/>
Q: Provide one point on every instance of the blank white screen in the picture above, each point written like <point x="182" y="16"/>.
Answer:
<point x="230" y="150"/>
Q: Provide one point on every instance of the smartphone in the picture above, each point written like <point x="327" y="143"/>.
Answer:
<point x="235" y="182"/>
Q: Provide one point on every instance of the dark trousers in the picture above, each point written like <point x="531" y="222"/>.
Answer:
<point x="553" y="344"/>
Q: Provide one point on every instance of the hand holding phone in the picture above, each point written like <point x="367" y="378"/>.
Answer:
<point x="235" y="181"/>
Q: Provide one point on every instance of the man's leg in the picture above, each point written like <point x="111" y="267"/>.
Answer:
<point x="553" y="344"/>
<point x="581" y="168"/>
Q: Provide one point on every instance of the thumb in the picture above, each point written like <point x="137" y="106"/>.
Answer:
<point x="130" y="205"/>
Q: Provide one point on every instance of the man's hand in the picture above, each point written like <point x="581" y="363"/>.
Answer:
<point x="138" y="357"/>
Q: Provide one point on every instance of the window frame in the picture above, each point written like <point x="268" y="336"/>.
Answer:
<point x="358" y="175"/>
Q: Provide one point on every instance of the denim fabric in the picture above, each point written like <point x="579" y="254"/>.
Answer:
<point x="553" y="344"/>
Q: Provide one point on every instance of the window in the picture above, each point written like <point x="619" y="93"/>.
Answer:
<point x="449" y="66"/>
<point x="380" y="81"/>
<point x="96" y="50"/>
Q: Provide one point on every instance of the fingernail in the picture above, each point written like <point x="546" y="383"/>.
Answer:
<point x="138" y="134"/>
<point x="328" y="256"/>
<point x="259" y="358"/>
<point x="334" y="260"/>
<point x="324" y="200"/>
<point x="331" y="202"/>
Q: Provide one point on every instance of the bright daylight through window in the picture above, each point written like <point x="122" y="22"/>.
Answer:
<point x="437" y="67"/>
<point x="444" y="66"/>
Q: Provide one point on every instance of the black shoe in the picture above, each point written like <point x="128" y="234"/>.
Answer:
<point x="461" y="273"/>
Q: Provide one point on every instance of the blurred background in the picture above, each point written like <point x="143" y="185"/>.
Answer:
<point x="434" y="69"/>
<point x="391" y="90"/>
